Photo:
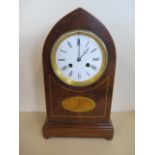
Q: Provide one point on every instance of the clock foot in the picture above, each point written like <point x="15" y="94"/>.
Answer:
<point x="63" y="130"/>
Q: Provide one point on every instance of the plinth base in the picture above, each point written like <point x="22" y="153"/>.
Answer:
<point x="57" y="130"/>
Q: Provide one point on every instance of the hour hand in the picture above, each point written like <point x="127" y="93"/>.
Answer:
<point x="85" y="52"/>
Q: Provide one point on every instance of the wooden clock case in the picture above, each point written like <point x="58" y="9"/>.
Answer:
<point x="63" y="123"/>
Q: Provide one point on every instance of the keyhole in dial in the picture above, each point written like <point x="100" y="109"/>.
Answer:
<point x="87" y="64"/>
<point x="70" y="65"/>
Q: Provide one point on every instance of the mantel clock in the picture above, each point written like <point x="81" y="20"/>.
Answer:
<point x="79" y="66"/>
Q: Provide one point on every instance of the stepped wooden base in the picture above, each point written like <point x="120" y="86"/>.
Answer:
<point x="55" y="130"/>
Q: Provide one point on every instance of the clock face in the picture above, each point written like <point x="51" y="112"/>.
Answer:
<point x="79" y="58"/>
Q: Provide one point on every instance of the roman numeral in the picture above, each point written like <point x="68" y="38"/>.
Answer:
<point x="87" y="73"/>
<point x="61" y="59"/>
<point x="70" y="73"/>
<point x="93" y="50"/>
<point x="93" y="67"/>
<point x="79" y="76"/>
<point x="64" y="67"/>
<point x="78" y="42"/>
<point x="96" y="59"/>
<point x="69" y="44"/>
<point x="87" y="44"/>
<point x="63" y="51"/>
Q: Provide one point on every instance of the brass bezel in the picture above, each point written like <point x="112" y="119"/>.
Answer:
<point x="66" y="79"/>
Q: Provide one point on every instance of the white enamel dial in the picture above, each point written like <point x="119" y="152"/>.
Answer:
<point x="79" y="57"/>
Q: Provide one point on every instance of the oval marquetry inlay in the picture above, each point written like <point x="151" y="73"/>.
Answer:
<point x="78" y="104"/>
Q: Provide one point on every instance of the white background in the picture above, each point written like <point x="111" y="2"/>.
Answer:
<point x="37" y="17"/>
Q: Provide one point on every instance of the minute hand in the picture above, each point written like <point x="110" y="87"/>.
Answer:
<point x="78" y="44"/>
<point x="85" y="52"/>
